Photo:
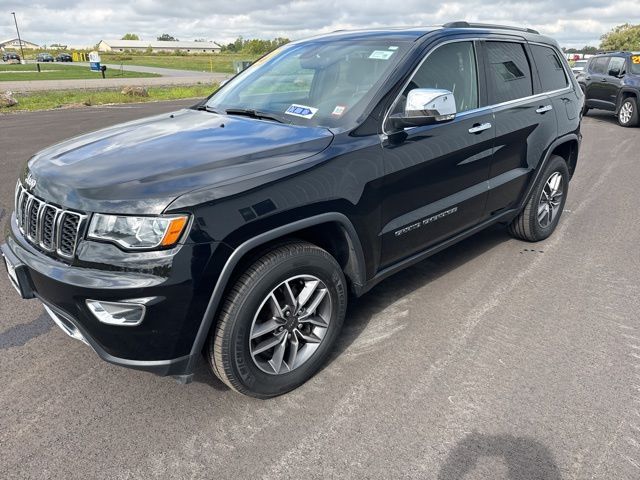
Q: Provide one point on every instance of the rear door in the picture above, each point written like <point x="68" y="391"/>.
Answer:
<point x="596" y="83"/>
<point x="525" y="123"/>
<point x="554" y="81"/>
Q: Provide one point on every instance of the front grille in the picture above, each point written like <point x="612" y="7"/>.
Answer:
<point x="46" y="226"/>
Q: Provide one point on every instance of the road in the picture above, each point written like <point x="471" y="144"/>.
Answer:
<point x="495" y="359"/>
<point x="169" y="77"/>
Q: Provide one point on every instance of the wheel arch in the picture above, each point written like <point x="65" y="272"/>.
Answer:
<point x="332" y="231"/>
<point x="566" y="147"/>
<point x="623" y="95"/>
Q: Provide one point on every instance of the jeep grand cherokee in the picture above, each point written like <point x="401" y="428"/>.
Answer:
<point x="240" y="227"/>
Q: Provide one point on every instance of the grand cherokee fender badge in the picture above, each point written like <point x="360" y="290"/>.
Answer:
<point x="425" y="221"/>
<point x="30" y="182"/>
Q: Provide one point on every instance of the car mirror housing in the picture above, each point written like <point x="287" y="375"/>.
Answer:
<point x="425" y="106"/>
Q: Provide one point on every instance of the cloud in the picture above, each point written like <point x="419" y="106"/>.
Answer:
<point x="573" y="23"/>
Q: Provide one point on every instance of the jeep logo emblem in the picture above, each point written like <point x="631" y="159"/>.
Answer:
<point x="30" y="181"/>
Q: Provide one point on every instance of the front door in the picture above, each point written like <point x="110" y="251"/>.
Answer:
<point x="436" y="175"/>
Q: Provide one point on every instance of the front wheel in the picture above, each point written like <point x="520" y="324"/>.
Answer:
<point x="279" y="321"/>
<point x="628" y="114"/>
<point x="542" y="212"/>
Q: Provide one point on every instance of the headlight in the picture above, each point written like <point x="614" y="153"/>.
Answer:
<point x="137" y="232"/>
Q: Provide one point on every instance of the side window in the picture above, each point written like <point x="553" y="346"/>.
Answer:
<point x="616" y="64"/>
<point x="451" y="67"/>
<point x="552" y="74"/>
<point x="599" y="65"/>
<point x="509" y="72"/>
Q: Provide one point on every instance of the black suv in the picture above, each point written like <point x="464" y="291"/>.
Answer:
<point x="612" y="82"/>
<point x="9" y="56"/>
<point x="240" y="227"/>
<point x="44" y="57"/>
<point x="64" y="57"/>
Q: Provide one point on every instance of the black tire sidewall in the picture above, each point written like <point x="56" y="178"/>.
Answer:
<point x="244" y="369"/>
<point x="556" y="164"/>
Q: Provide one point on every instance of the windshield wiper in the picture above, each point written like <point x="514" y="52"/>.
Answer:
<point x="207" y="108"/>
<point x="252" y="113"/>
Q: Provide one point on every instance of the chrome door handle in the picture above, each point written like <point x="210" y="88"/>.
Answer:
<point x="480" y="128"/>
<point x="544" y="109"/>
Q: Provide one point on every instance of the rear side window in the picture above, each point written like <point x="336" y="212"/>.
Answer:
<point x="599" y="65"/>
<point x="552" y="74"/>
<point x="509" y="72"/>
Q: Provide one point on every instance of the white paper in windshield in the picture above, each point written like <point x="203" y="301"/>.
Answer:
<point x="381" y="54"/>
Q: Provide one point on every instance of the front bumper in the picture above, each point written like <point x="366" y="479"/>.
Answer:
<point x="176" y="283"/>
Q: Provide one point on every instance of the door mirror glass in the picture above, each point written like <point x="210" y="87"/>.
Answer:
<point x="425" y="106"/>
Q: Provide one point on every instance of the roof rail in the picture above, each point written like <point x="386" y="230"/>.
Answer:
<point x="604" y="52"/>
<point x="463" y="24"/>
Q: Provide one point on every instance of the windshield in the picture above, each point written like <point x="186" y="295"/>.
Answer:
<point x="580" y="64"/>
<point x="323" y="83"/>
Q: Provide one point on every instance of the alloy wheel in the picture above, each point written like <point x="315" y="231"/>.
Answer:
<point x="290" y="324"/>
<point x="550" y="200"/>
<point x="626" y="112"/>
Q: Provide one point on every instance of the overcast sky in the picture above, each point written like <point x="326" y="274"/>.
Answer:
<point x="573" y="23"/>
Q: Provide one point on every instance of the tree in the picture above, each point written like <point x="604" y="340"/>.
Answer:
<point x="130" y="36"/>
<point x="254" y="46"/>
<point x="165" y="37"/>
<point x="622" y="37"/>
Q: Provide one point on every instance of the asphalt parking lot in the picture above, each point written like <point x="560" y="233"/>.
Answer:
<point x="495" y="359"/>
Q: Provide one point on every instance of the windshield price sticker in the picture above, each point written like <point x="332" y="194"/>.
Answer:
<point x="338" y="111"/>
<point x="635" y="59"/>
<point x="301" y="111"/>
<point x="381" y="54"/>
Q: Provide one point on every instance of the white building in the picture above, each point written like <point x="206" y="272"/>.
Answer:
<point x="14" y="44"/>
<point x="157" y="46"/>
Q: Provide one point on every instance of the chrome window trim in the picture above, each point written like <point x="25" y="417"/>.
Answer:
<point x="490" y="107"/>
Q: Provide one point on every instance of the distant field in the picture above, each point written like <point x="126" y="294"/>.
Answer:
<point x="80" y="98"/>
<point x="56" y="71"/>
<point x="220" y="62"/>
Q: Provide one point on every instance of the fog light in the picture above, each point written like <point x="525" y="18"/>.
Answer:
<point x="117" y="313"/>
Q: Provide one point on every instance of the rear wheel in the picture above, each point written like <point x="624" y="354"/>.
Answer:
<point x="628" y="114"/>
<point x="542" y="212"/>
<point x="279" y="321"/>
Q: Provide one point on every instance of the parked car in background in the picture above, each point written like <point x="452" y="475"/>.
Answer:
<point x="10" y="57"/>
<point x="578" y="66"/>
<point x="44" y="57"/>
<point x="64" y="57"/>
<point x="240" y="227"/>
<point x="611" y="82"/>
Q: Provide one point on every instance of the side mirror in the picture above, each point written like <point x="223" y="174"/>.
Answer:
<point x="615" y="72"/>
<point x="425" y="106"/>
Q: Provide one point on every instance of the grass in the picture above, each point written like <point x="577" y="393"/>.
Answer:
<point x="53" y="71"/>
<point x="218" y="62"/>
<point x="79" y="98"/>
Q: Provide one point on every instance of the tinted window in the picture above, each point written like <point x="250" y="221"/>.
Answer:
<point x="616" y="63"/>
<point x="552" y="74"/>
<point x="599" y="65"/>
<point x="451" y="67"/>
<point x="509" y="72"/>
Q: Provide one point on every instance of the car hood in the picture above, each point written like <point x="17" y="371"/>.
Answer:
<point x="142" y="166"/>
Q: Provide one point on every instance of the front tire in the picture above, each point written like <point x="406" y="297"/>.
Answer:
<point x="279" y="321"/>
<point x="628" y="114"/>
<point x="542" y="212"/>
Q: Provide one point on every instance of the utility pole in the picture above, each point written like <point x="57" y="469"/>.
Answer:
<point x="19" y="39"/>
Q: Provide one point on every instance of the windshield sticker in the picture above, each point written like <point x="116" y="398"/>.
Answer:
<point x="338" y="111"/>
<point x="393" y="48"/>
<point x="635" y="59"/>
<point x="381" y="54"/>
<point x="301" y="111"/>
